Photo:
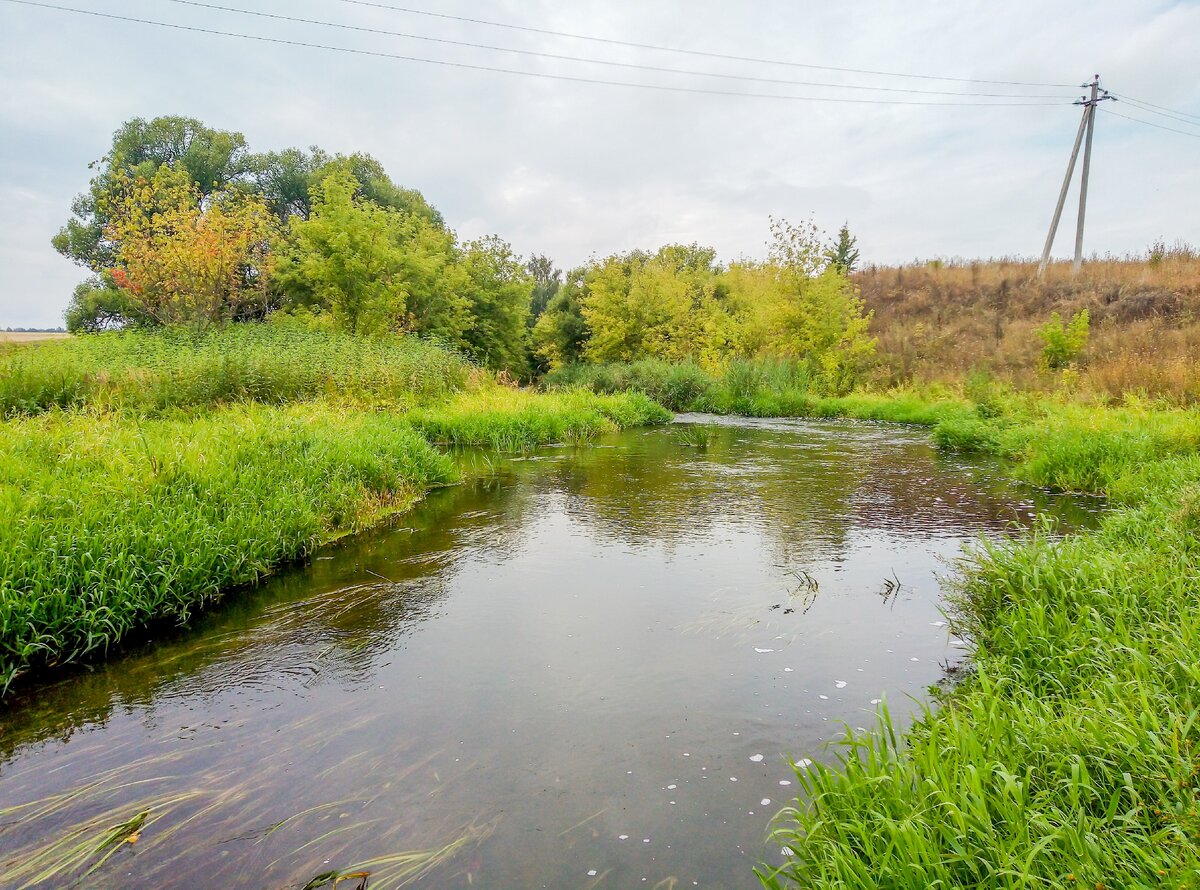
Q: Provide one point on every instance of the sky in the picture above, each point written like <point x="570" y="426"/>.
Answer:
<point x="573" y="169"/>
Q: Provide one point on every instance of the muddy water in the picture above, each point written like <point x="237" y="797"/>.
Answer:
<point x="586" y="669"/>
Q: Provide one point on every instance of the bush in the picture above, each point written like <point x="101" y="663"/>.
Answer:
<point x="1063" y="342"/>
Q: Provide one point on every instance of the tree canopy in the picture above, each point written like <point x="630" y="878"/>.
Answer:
<point x="182" y="224"/>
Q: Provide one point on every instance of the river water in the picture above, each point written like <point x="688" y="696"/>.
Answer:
<point x="586" y="668"/>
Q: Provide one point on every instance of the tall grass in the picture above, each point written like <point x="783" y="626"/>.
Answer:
<point x="151" y="371"/>
<point x="509" y="419"/>
<point x="112" y="523"/>
<point x="758" y="388"/>
<point x="1070" y="757"/>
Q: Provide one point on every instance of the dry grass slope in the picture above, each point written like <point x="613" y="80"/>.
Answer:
<point x="940" y="321"/>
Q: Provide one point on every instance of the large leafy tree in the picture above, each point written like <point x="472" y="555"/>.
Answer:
<point x="181" y="261"/>
<point x="499" y="287"/>
<point x="213" y="160"/>
<point x="665" y="305"/>
<point x="561" y="331"/>
<point x="347" y="257"/>
<point x="286" y="180"/>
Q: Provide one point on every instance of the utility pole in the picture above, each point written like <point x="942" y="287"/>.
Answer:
<point x="1087" y="124"/>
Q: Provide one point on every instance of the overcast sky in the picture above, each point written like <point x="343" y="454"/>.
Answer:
<point x="574" y="169"/>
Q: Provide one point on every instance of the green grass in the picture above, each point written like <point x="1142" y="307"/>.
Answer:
<point x="152" y="371"/>
<point x="509" y="419"/>
<point x="757" y="388"/>
<point x="1070" y="757"/>
<point x="113" y="522"/>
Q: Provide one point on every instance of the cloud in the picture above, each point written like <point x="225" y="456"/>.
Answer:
<point x="575" y="169"/>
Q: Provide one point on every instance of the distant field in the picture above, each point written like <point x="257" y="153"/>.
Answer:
<point x="30" y="336"/>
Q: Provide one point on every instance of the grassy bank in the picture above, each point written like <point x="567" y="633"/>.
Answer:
<point x="1071" y="754"/>
<point x="155" y="371"/>
<point x="758" y="388"/>
<point x="149" y="496"/>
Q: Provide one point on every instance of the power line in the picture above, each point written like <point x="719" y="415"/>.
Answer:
<point x="1141" y="106"/>
<point x="1151" y="105"/>
<point x="593" y="61"/>
<point x="497" y="70"/>
<point x="691" y="52"/>
<point x="1151" y="123"/>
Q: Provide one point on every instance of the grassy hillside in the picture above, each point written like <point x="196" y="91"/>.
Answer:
<point x="941" y="321"/>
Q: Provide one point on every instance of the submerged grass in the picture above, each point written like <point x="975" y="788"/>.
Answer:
<point x="1071" y="754"/>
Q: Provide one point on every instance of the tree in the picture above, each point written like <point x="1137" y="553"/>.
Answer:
<point x="546" y="282"/>
<point x="178" y="262"/>
<point x="665" y="305"/>
<point x="561" y="331"/>
<point x="99" y="305"/>
<point x="286" y="179"/>
<point x="843" y="254"/>
<point x="348" y="257"/>
<point x="499" y="287"/>
<point x="1063" y="342"/>
<point x="796" y="305"/>
<point x="213" y="160"/>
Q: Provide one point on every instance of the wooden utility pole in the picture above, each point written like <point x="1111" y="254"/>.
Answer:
<point x="1090" y="112"/>
<point x="1087" y="124"/>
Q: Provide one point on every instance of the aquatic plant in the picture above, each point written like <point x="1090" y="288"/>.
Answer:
<point x="695" y="436"/>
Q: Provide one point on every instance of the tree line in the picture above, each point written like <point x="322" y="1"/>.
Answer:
<point x="183" y="225"/>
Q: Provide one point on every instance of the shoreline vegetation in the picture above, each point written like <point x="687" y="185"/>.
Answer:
<point x="144" y="474"/>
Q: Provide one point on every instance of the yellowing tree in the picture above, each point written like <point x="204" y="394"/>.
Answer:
<point x="798" y="305"/>
<point x="181" y="260"/>
<point x="667" y="305"/>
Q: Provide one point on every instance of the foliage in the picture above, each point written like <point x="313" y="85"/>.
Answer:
<point x="99" y="305"/>
<point x="286" y="181"/>
<point x="546" y="282"/>
<point x="181" y="261"/>
<point x="843" y="253"/>
<point x="162" y="369"/>
<point x="666" y="305"/>
<point x="561" y="331"/>
<point x="499" y="290"/>
<point x="212" y="160"/>
<point x="348" y="257"/>
<point x="1063" y="342"/>
<point x="679" y="305"/>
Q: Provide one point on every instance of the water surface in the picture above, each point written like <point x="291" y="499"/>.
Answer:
<point x="589" y="666"/>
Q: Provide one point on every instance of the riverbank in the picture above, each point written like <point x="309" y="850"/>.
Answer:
<point x="144" y="475"/>
<point x="1070" y="753"/>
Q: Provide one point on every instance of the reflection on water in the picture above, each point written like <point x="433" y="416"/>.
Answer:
<point x="587" y="669"/>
